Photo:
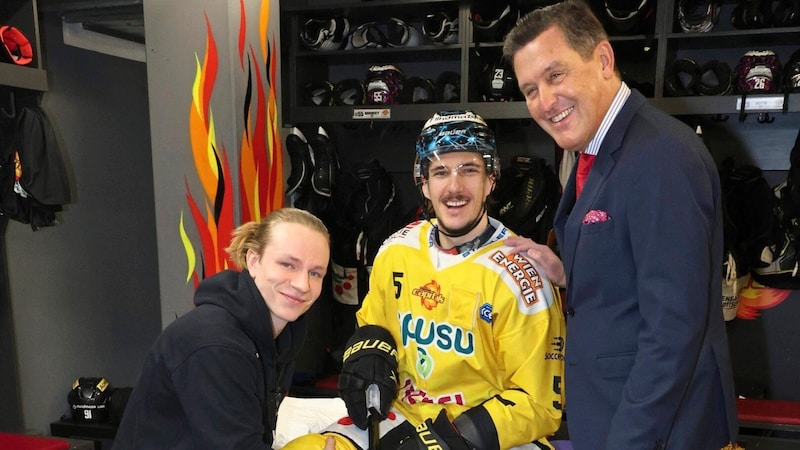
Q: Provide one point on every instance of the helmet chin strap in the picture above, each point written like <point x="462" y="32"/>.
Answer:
<point x="465" y="230"/>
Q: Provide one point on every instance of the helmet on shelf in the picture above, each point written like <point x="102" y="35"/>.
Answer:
<point x="349" y="92"/>
<point x="88" y="399"/>
<point x="714" y="78"/>
<point x="791" y="73"/>
<point x="752" y="14"/>
<point x="698" y="16"/>
<point x="401" y="34"/>
<point x="17" y="48"/>
<point x="448" y="87"/>
<point x="325" y="34"/>
<point x="492" y="19"/>
<point x="441" y="27"/>
<point x="384" y="84"/>
<point x="498" y="82"/>
<point x="786" y="14"/>
<point x="317" y="93"/>
<point x="680" y="77"/>
<point x="629" y="16"/>
<point x="758" y="72"/>
<point x="418" y="90"/>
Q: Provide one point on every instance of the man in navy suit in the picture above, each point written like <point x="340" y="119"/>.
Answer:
<point x="647" y="361"/>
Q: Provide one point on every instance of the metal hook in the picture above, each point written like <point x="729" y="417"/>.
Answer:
<point x="765" y="118"/>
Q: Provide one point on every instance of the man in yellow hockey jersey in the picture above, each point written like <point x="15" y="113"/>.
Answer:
<point x="462" y="340"/>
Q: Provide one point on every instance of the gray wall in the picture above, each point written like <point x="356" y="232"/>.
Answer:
<point x="84" y="293"/>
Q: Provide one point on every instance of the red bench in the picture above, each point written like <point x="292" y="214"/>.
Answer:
<point x="25" y="442"/>
<point x="769" y="414"/>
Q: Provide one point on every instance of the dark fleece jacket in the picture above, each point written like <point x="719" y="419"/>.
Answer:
<point x="214" y="377"/>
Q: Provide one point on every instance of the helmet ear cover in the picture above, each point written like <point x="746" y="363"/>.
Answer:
<point x="17" y="48"/>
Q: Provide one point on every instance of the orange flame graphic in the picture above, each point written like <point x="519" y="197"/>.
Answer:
<point x="755" y="297"/>
<point x="260" y="154"/>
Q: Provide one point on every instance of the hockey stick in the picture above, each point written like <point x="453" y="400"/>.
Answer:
<point x="373" y="406"/>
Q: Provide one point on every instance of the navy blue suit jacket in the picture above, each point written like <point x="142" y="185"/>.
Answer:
<point x="647" y="360"/>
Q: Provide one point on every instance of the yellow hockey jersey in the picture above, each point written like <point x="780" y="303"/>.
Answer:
<point x="480" y="327"/>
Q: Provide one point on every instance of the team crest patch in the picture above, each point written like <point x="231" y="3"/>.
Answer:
<point x="486" y="313"/>
<point x="430" y="295"/>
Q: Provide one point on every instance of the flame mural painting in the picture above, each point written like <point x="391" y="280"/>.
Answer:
<point x="260" y="172"/>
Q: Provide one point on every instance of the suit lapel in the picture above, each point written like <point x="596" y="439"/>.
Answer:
<point x="570" y="213"/>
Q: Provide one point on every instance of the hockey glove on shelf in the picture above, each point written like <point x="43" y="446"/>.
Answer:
<point x="435" y="433"/>
<point x="370" y="357"/>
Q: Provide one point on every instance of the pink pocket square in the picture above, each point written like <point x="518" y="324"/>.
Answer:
<point x="595" y="216"/>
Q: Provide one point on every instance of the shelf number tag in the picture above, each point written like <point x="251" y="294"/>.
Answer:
<point x="372" y="114"/>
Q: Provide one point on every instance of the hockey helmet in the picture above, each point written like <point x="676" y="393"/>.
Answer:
<point x="498" y="82"/>
<point x="455" y="131"/>
<point x="758" y="71"/>
<point x="349" y="92"/>
<point x="715" y="78"/>
<point x="89" y="399"/>
<point x="317" y="93"/>
<point x="448" y="87"/>
<point x="325" y="34"/>
<point x="367" y="35"/>
<point x="441" y="27"/>
<point x="401" y="34"/>
<point x="786" y="14"/>
<point x="384" y="84"/>
<point x="698" y="16"/>
<point x="492" y="19"/>
<point x="629" y="16"/>
<point x="418" y="90"/>
<point x="17" y="48"/>
<point x="681" y="77"/>
<point x="791" y="73"/>
<point x="751" y="14"/>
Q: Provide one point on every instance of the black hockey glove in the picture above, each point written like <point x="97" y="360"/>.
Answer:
<point x="437" y="433"/>
<point x="370" y="357"/>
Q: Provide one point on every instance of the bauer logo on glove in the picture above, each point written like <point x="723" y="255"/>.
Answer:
<point x="370" y="344"/>
<point x="370" y="359"/>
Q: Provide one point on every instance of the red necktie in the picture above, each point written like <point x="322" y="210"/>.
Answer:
<point x="584" y="166"/>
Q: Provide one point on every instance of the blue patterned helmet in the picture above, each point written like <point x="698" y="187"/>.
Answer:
<point x="455" y="131"/>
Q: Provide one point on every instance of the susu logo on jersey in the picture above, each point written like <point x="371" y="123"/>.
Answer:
<point x="523" y="273"/>
<point x="430" y="295"/>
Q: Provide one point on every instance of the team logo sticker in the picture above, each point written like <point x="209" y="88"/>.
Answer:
<point x="430" y="295"/>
